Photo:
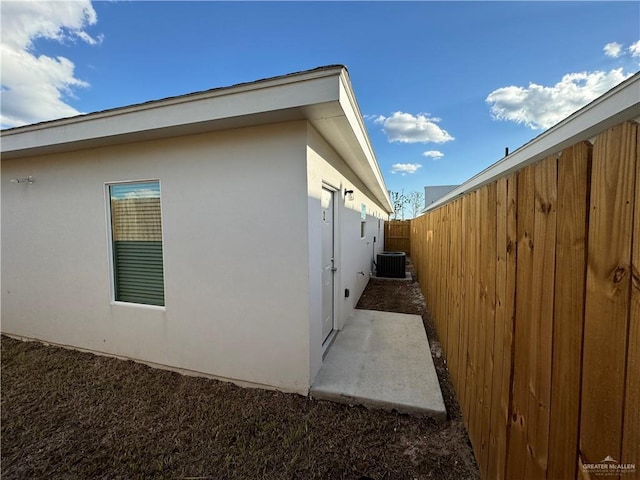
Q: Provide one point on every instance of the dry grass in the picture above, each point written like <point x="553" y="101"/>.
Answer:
<point x="67" y="414"/>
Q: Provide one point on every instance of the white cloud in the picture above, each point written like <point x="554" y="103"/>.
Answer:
<point x="612" y="49"/>
<point x="405" y="168"/>
<point x="541" y="107"/>
<point x="34" y="86"/>
<point x="407" y="128"/>
<point x="433" y="154"/>
<point x="634" y="49"/>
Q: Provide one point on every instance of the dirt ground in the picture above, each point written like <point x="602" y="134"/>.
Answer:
<point x="68" y="414"/>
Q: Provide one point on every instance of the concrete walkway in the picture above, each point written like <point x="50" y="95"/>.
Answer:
<point x="382" y="360"/>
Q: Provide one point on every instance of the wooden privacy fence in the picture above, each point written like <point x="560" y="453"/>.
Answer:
<point x="397" y="236"/>
<point x="533" y="282"/>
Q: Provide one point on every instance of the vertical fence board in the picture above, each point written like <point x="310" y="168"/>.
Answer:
<point x="471" y="390"/>
<point x="442" y="277"/>
<point x="459" y="308"/>
<point x="541" y="319"/>
<point x="631" y="432"/>
<point x="442" y="280"/>
<point x="436" y="255"/>
<point x="415" y="240"/>
<point x="424" y="264"/>
<point x="573" y="184"/>
<point x="463" y="361"/>
<point x="428" y="284"/>
<point x="488" y="296"/>
<point x="496" y="420"/>
<point x="502" y="337"/>
<point x="607" y="293"/>
<point x="480" y="319"/>
<point x="449" y="285"/>
<point x="502" y="442"/>
<point x="517" y="454"/>
<point x="453" y="341"/>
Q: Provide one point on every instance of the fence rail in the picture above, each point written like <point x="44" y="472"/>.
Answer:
<point x="533" y="282"/>
<point x="397" y="236"/>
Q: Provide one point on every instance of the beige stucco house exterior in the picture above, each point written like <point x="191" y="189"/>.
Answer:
<point x="226" y="233"/>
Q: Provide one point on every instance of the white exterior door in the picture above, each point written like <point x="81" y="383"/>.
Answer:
<point x="328" y="268"/>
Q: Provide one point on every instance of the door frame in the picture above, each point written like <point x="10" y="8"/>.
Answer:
<point x="326" y="342"/>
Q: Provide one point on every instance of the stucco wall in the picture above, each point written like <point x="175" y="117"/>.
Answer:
<point x="353" y="254"/>
<point x="235" y="248"/>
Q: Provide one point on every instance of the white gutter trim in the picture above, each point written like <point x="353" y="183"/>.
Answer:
<point x="620" y="104"/>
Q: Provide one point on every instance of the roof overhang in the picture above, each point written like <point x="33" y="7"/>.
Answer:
<point x="618" y="105"/>
<point x="323" y="96"/>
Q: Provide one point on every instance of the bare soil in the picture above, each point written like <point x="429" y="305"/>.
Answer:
<point x="68" y="414"/>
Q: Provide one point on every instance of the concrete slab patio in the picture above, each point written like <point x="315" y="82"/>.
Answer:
<point x="382" y="360"/>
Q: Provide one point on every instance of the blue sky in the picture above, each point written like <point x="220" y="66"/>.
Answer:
<point x="444" y="86"/>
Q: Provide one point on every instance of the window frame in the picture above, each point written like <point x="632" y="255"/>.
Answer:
<point x="110" y="249"/>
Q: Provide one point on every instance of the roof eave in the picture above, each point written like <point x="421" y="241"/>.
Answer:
<point x="323" y="95"/>
<point x="369" y="167"/>
<point x="283" y="98"/>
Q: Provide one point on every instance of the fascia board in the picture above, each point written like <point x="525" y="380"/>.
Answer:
<point x="290" y="92"/>
<point x="620" y="104"/>
<point x="367" y="156"/>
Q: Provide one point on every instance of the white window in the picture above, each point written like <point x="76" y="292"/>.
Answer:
<point x="136" y="235"/>
<point x="363" y="220"/>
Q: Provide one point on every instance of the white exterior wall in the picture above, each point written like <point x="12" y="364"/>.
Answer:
<point x="353" y="254"/>
<point x="235" y="254"/>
